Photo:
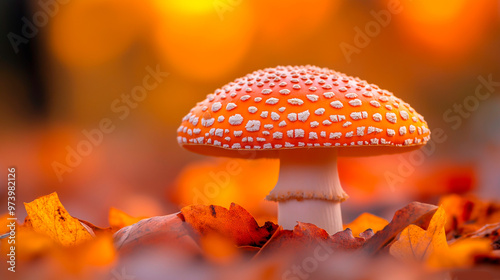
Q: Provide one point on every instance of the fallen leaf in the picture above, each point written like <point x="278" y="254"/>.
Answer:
<point x="367" y="234"/>
<point x="301" y="236"/>
<point x="491" y="232"/>
<point x="366" y="221"/>
<point x="48" y="216"/>
<point x="414" y="213"/>
<point x="417" y="244"/>
<point x="345" y="240"/>
<point x="493" y="258"/>
<point x="234" y="223"/>
<point x="467" y="214"/>
<point x="93" y="229"/>
<point x="193" y="226"/>
<point x="170" y="230"/>
<point x="119" y="219"/>
<point x="309" y="232"/>
<point x="305" y="234"/>
<point x="458" y="211"/>
<point x="460" y="254"/>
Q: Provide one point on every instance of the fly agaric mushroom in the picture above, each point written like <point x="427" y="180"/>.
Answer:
<point x="306" y="116"/>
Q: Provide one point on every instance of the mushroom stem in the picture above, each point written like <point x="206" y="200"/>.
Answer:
<point x="309" y="190"/>
<point x="322" y="213"/>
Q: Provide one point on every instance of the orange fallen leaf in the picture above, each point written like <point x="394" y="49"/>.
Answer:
<point x="234" y="223"/>
<point x="366" y="221"/>
<point x="459" y="210"/>
<point x="48" y="216"/>
<point x="460" y="254"/>
<point x="301" y="236"/>
<point x="493" y="258"/>
<point x="304" y="234"/>
<point x="119" y="219"/>
<point x="491" y="231"/>
<point x="414" y="213"/>
<point x="345" y="240"/>
<point x="467" y="214"/>
<point x="417" y="244"/>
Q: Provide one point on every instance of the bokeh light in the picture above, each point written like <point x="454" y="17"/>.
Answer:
<point x="90" y="33"/>
<point x="200" y="41"/>
<point x="221" y="182"/>
<point x="446" y="29"/>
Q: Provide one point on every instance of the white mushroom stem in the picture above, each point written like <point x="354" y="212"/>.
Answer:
<point x="324" y="214"/>
<point x="309" y="190"/>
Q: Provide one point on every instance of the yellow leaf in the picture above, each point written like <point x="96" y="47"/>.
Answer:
<point x="417" y="244"/>
<point x="119" y="219"/>
<point x="366" y="221"/>
<point x="461" y="253"/>
<point x="49" y="217"/>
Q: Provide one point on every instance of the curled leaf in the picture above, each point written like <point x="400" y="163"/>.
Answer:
<point x="345" y="240"/>
<point x="414" y="213"/>
<point x="193" y="226"/>
<point x="235" y="223"/>
<point x="305" y="234"/>
<point x="417" y="244"/>
<point x="48" y="216"/>
<point x="294" y="240"/>
<point x="169" y="230"/>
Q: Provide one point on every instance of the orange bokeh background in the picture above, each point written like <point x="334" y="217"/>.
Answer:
<point x="92" y="52"/>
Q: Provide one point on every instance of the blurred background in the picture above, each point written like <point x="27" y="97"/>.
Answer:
<point x="78" y="117"/>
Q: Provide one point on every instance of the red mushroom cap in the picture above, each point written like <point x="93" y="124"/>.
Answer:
<point x="301" y="107"/>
